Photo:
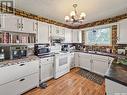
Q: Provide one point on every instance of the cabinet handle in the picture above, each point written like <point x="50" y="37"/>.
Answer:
<point x="22" y="79"/>
<point x="34" y="26"/>
<point x="21" y="64"/>
<point x="22" y="26"/>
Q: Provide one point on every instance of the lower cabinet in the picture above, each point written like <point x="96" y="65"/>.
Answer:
<point x="85" y="61"/>
<point x="72" y="61"/>
<point x="100" y="66"/>
<point x="20" y="86"/>
<point x="95" y="63"/>
<point x="114" y="88"/>
<point x="46" y="69"/>
<point x="19" y="78"/>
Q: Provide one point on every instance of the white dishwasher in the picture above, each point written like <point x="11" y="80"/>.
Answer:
<point x="61" y="65"/>
<point x="46" y="69"/>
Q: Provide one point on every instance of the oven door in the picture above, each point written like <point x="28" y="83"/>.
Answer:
<point x="62" y="65"/>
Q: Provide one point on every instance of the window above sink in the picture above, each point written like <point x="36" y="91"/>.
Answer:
<point x="101" y="36"/>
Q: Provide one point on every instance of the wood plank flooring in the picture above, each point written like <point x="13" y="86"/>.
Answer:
<point x="70" y="84"/>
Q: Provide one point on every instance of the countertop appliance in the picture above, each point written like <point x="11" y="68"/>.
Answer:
<point x="4" y="52"/>
<point x="121" y="51"/>
<point x="18" y="51"/>
<point x="1" y="53"/>
<point x="65" y="48"/>
<point x="13" y="51"/>
<point x="41" y="49"/>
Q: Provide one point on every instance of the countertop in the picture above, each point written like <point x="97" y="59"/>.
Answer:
<point x="117" y="73"/>
<point x="17" y="61"/>
<point x="103" y="54"/>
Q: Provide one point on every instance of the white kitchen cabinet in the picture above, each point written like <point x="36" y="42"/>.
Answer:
<point x="85" y="61"/>
<point x="62" y="32"/>
<point x="17" y="71"/>
<point x="2" y="25"/>
<point x="11" y="23"/>
<point x="20" y="85"/>
<point x="114" y="88"/>
<point x="19" y="78"/>
<point x="46" y="70"/>
<point x="28" y="25"/>
<point x="100" y="64"/>
<point x="76" y="36"/>
<point x="57" y="31"/>
<point x="95" y="63"/>
<point x="76" y="56"/>
<point x="122" y="32"/>
<point x="68" y="36"/>
<point x="72" y="60"/>
<point x="43" y="32"/>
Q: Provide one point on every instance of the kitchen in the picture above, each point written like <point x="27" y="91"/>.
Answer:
<point x="43" y="53"/>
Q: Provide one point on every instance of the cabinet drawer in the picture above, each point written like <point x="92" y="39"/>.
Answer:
<point x="20" y="86"/>
<point x="47" y="60"/>
<point x="14" y="72"/>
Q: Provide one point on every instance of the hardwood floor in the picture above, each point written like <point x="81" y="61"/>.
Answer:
<point x="70" y="84"/>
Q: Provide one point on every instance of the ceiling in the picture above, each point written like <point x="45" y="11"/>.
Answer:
<point x="58" y="9"/>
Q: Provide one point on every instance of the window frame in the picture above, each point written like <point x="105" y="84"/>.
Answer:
<point x="86" y="38"/>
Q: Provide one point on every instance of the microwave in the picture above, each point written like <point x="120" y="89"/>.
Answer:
<point x="41" y="49"/>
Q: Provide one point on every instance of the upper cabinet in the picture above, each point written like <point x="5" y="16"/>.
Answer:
<point x="68" y="35"/>
<point x="29" y="25"/>
<point x="76" y="36"/>
<point x="43" y="32"/>
<point x="12" y="23"/>
<point x="122" y="32"/>
<point x="57" y="31"/>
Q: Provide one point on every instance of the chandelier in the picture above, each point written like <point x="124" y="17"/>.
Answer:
<point x="74" y="17"/>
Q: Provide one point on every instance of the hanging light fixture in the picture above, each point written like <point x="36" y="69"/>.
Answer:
<point x="74" y="17"/>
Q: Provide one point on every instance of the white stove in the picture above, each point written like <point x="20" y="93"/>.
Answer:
<point x="61" y="65"/>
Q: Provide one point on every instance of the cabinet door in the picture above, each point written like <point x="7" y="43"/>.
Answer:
<point x="61" y="32"/>
<point x="20" y="86"/>
<point x="85" y="61"/>
<point x="122" y="32"/>
<point x="35" y="26"/>
<point x="17" y="71"/>
<point x="46" y="69"/>
<point x="100" y="66"/>
<point x="2" y="24"/>
<point x="72" y="63"/>
<point x="77" y="38"/>
<point x="28" y="25"/>
<point x="54" y="31"/>
<point x="12" y="23"/>
<point x="43" y="32"/>
<point x="113" y="88"/>
<point x="68" y="36"/>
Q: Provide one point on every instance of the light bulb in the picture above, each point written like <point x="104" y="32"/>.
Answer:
<point x="72" y="13"/>
<point x="67" y="18"/>
<point x="83" y="15"/>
